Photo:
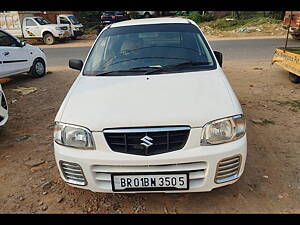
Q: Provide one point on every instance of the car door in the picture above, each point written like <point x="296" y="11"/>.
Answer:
<point x="14" y="59"/>
<point x="31" y="28"/>
<point x="63" y="20"/>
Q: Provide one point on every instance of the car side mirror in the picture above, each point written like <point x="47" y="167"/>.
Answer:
<point x="219" y="57"/>
<point x="76" y="64"/>
<point x="22" y="43"/>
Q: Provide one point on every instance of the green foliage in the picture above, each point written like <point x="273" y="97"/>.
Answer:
<point x="89" y="18"/>
<point x="183" y="13"/>
<point x="199" y="18"/>
<point x="225" y="25"/>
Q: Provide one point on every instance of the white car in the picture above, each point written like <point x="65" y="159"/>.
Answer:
<point x="3" y="108"/>
<point x="151" y="111"/>
<point x="18" y="57"/>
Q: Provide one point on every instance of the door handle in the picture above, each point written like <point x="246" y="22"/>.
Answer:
<point x="5" y="53"/>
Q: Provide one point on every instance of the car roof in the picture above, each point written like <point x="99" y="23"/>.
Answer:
<point x="159" y="20"/>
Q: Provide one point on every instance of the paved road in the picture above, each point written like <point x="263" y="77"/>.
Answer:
<point x="239" y="49"/>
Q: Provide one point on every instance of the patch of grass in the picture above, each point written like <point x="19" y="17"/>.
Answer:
<point x="198" y="18"/>
<point x="224" y="25"/>
<point x="293" y="103"/>
<point x="262" y="121"/>
<point x="266" y="121"/>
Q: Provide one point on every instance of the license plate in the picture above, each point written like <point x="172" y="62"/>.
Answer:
<point x="150" y="182"/>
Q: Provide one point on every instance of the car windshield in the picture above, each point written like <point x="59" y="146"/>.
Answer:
<point x="42" y="21"/>
<point x="73" y="20"/>
<point x="156" y="48"/>
<point x="108" y="13"/>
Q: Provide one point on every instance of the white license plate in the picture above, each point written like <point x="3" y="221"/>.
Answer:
<point x="150" y="182"/>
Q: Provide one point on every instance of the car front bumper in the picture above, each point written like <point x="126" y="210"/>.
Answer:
<point x="78" y="33"/>
<point x="199" y="161"/>
<point x="64" y="34"/>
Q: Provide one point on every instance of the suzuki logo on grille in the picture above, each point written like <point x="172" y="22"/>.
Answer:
<point x="147" y="141"/>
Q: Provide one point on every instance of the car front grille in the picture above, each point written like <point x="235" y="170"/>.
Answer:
<point x="73" y="173"/>
<point x="196" y="170"/>
<point x="228" y="169"/>
<point x="147" y="141"/>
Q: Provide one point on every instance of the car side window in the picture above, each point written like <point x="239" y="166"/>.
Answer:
<point x="30" y="22"/>
<point x="63" y="20"/>
<point x="7" y="41"/>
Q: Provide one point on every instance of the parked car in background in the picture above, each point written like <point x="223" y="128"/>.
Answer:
<point x="70" y="20"/>
<point x="3" y="108"/>
<point x="292" y="18"/>
<point x="146" y="14"/>
<point x="18" y="57"/>
<point x="109" y="17"/>
<point x="151" y="111"/>
<point x="149" y="14"/>
<point x="25" y="25"/>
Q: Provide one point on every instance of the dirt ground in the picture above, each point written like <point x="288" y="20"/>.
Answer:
<point x="270" y="183"/>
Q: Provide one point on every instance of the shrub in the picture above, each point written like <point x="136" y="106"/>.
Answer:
<point x="198" y="18"/>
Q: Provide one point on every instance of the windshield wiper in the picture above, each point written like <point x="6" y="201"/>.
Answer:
<point x="118" y="71"/>
<point x="176" y="66"/>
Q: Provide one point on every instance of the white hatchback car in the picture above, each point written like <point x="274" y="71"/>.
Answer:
<point x="18" y="57"/>
<point x="3" y="108"/>
<point x="151" y="111"/>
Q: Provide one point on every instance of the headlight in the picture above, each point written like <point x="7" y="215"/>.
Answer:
<point x="58" y="28"/>
<point x="73" y="136"/>
<point x="223" y="130"/>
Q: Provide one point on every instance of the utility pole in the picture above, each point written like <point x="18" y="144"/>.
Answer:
<point x="287" y="35"/>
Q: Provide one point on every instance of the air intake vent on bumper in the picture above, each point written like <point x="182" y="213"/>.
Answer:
<point x="73" y="173"/>
<point x="228" y="169"/>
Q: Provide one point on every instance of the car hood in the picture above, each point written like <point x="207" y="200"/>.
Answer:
<point x="192" y="99"/>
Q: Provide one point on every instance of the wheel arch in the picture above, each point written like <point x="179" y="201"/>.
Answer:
<point x="43" y="61"/>
<point x="47" y="32"/>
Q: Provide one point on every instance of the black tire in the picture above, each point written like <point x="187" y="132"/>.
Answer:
<point x="294" y="78"/>
<point x="147" y="15"/>
<point x="48" y="39"/>
<point x="38" y="68"/>
<point x="296" y="36"/>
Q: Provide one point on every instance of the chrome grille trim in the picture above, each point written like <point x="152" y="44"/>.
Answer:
<point x="228" y="166"/>
<point x="146" y="129"/>
<point x="71" y="170"/>
<point x="228" y="169"/>
<point x="150" y="168"/>
<point x="73" y="173"/>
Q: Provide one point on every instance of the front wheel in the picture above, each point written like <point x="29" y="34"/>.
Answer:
<point x="48" y="39"/>
<point x="38" y="68"/>
<point x="294" y="78"/>
<point x="147" y="15"/>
